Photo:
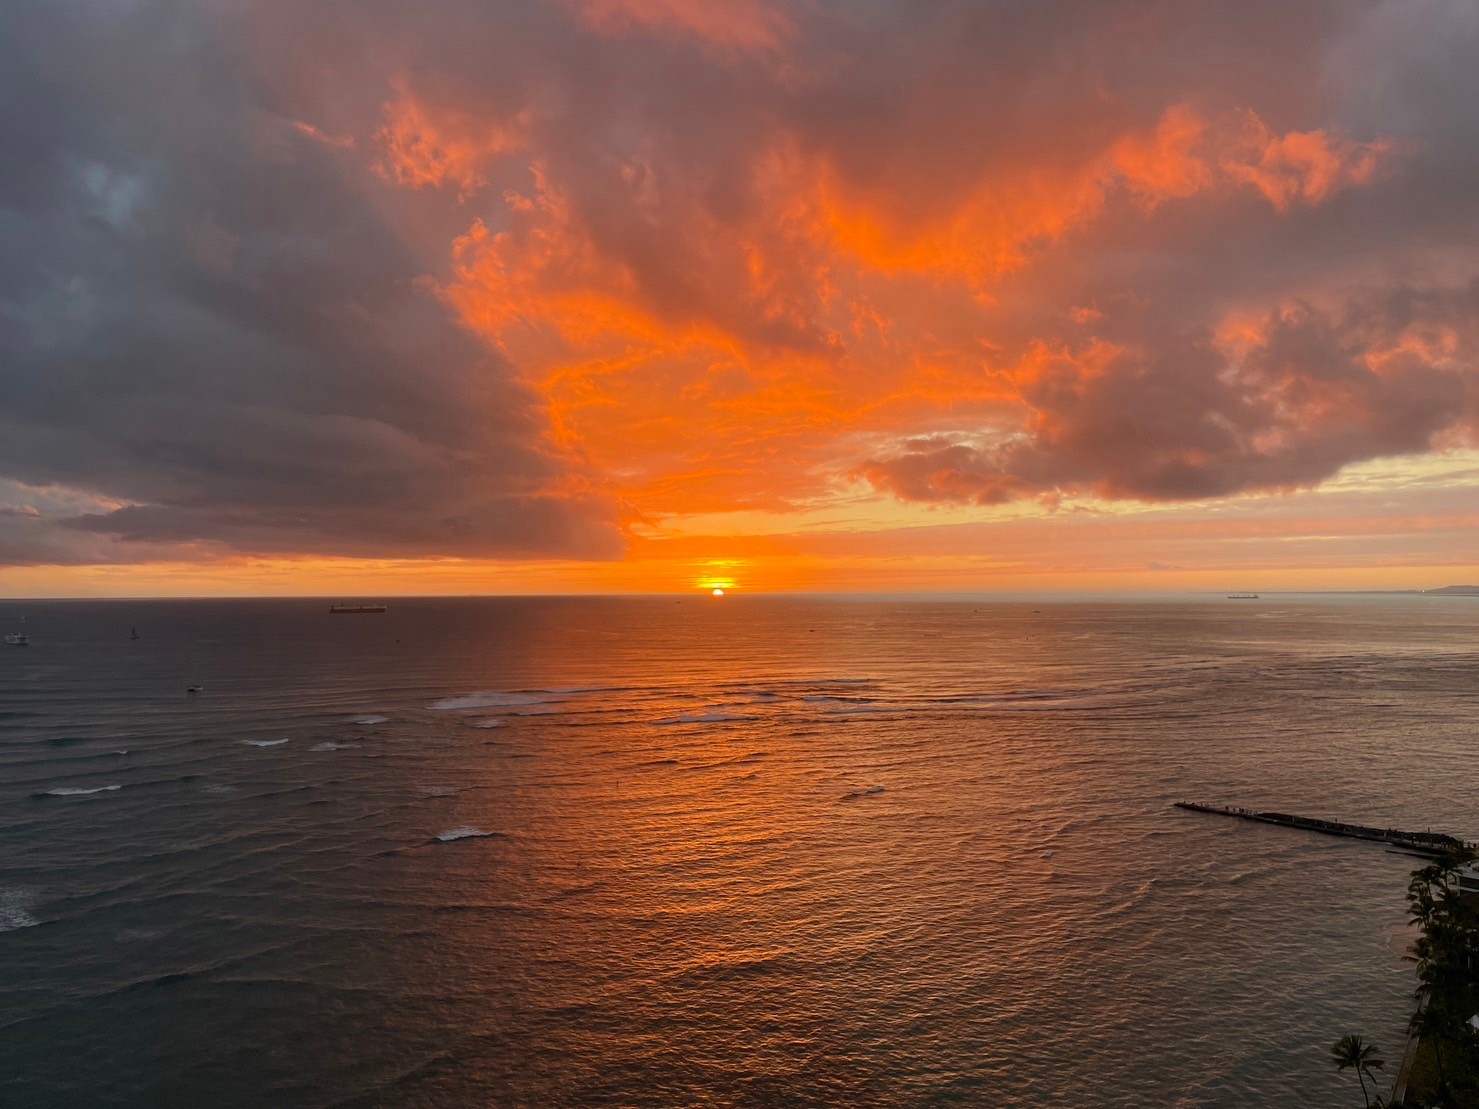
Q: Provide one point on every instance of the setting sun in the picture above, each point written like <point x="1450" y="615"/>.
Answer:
<point x="718" y="592"/>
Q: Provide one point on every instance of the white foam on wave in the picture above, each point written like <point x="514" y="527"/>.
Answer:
<point x="267" y="742"/>
<point x="706" y="718"/>
<point x="371" y="719"/>
<point x="78" y="791"/>
<point x="327" y="746"/>
<point x="489" y="700"/>
<point x="15" y="909"/>
<point x="493" y="723"/>
<point x="465" y="832"/>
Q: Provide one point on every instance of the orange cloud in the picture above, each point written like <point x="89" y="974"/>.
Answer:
<point x="712" y="361"/>
<point x="745" y="24"/>
<point x="1303" y="166"/>
<point x="1187" y="154"/>
<point x="425" y="146"/>
<point x="343" y="142"/>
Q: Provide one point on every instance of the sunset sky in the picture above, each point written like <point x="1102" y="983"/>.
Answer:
<point x="657" y="295"/>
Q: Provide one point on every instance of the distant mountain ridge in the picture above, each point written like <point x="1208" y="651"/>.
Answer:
<point x="1457" y="590"/>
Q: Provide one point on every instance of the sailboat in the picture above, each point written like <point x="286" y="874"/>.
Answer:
<point x="133" y="633"/>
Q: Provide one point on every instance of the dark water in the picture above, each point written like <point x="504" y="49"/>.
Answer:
<point x="740" y="852"/>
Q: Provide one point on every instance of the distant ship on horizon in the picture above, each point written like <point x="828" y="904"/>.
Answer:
<point x="1242" y="596"/>
<point x="343" y="608"/>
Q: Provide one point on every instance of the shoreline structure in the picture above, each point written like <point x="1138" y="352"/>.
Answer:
<point x="1428" y="843"/>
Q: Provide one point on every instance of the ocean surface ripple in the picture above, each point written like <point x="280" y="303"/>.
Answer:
<point x="752" y="851"/>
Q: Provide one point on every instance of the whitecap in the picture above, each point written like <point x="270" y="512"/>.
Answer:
<point x="494" y="723"/>
<point x="371" y="719"/>
<point x="141" y="933"/>
<point x="465" y="832"/>
<point x="15" y="909"/>
<point x="326" y="746"/>
<point x="488" y="700"/>
<point x="78" y="791"/>
<point x="267" y="742"/>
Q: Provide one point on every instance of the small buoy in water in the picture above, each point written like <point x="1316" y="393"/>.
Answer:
<point x="196" y="689"/>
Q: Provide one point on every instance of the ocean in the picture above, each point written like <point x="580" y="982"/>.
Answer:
<point x="738" y="851"/>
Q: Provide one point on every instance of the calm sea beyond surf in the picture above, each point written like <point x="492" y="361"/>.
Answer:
<point x="737" y="851"/>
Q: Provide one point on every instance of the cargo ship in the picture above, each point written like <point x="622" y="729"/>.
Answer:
<point x="356" y="608"/>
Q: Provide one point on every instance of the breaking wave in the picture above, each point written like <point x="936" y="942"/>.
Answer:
<point x="490" y="700"/>
<point x="466" y="832"/>
<point x="15" y="909"/>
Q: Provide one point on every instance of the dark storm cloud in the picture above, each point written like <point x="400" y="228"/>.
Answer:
<point x="216" y="329"/>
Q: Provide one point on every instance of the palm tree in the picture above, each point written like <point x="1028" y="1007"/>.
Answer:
<point x="1351" y="1051"/>
<point x="1433" y="1025"/>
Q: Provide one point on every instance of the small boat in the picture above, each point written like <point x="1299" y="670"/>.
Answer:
<point x="17" y="639"/>
<point x="342" y="608"/>
<point x="133" y="633"/>
<point x="195" y="689"/>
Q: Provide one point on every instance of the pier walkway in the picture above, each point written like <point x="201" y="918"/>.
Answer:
<point x="1422" y="843"/>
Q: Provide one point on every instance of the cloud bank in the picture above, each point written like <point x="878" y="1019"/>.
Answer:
<point x="498" y="279"/>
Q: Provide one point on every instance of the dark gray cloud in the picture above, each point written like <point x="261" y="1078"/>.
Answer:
<point x="1192" y="420"/>
<point x="215" y="328"/>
